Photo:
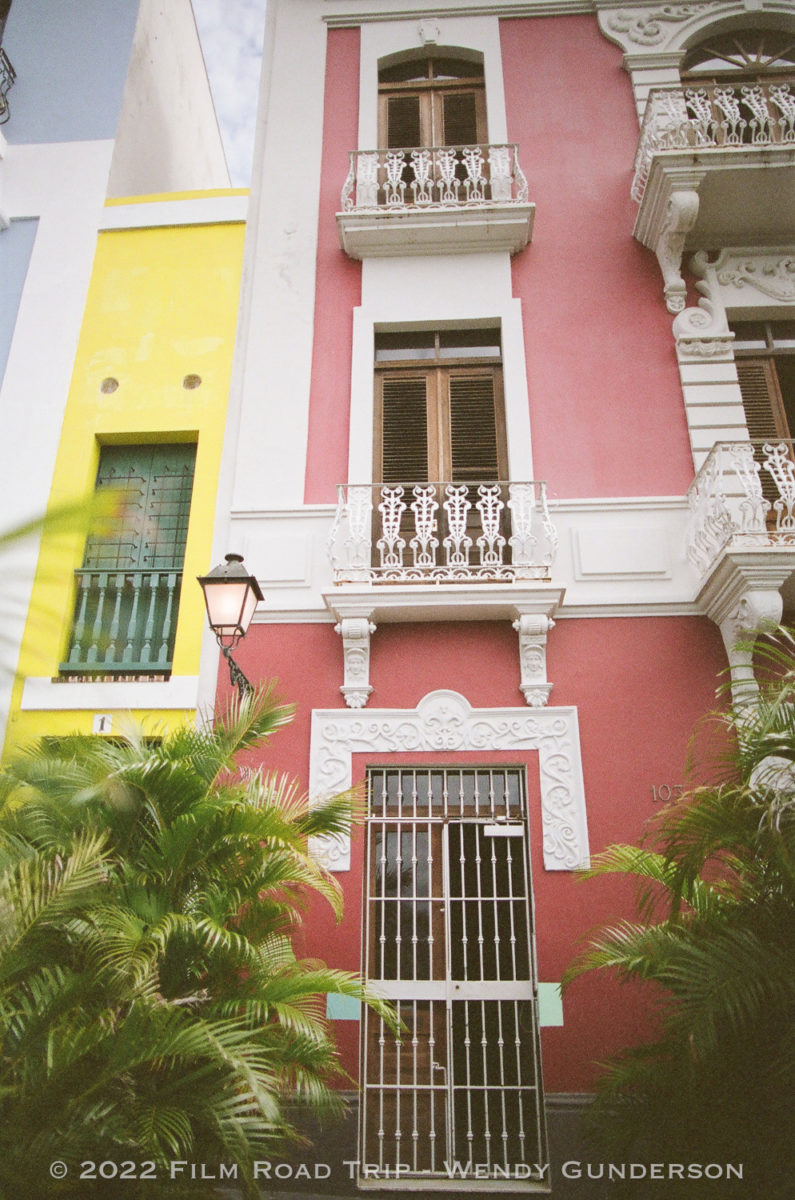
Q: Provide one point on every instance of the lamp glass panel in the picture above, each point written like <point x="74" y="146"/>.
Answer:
<point x="225" y="602"/>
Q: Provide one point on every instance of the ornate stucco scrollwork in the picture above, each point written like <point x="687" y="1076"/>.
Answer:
<point x="649" y="26"/>
<point x="703" y="331"/>
<point x="429" y="32"/>
<point x="757" y="610"/>
<point x="444" y="721"/>
<point x="771" y="274"/>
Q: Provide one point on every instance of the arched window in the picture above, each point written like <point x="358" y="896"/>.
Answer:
<point x="431" y="101"/>
<point x="740" y="87"/>
<point x="743" y="53"/>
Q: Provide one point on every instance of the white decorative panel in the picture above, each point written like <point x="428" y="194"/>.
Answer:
<point x="640" y="551"/>
<point x="445" y="721"/>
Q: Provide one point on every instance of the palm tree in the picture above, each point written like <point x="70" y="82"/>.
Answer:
<point x="715" y="940"/>
<point x="151" y="1004"/>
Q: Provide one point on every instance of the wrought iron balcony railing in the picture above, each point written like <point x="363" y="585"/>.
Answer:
<point x="124" y="622"/>
<point x="745" y="491"/>
<point x="434" y="177"/>
<point x="442" y="533"/>
<point x="734" y="116"/>
<point x="7" y="77"/>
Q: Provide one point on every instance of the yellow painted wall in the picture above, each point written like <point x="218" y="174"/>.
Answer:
<point x="162" y="305"/>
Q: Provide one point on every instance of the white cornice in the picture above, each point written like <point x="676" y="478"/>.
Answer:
<point x="348" y="15"/>
<point x="652" y="609"/>
<point x="198" y="210"/>
<point x="446" y="602"/>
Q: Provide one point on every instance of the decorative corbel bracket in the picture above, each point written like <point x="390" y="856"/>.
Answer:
<point x="742" y="596"/>
<point x="679" y="219"/>
<point x="668" y="213"/>
<point x="702" y="332"/>
<point x="355" y="633"/>
<point x="533" y="629"/>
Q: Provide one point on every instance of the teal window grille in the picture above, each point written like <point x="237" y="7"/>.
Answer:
<point x="128" y="588"/>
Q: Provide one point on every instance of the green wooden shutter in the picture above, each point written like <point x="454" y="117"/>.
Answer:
<point x="149" y="528"/>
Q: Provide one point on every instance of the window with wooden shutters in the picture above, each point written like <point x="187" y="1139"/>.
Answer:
<point x="765" y="360"/>
<point x="765" y="357"/>
<point x="129" y="585"/>
<point x="432" y="102"/>
<point x="439" y="419"/>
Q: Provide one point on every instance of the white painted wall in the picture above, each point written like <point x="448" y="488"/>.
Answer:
<point x="271" y="382"/>
<point x="168" y="138"/>
<point x="43" y="348"/>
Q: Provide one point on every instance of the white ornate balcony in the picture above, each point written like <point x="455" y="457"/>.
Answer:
<point x="742" y="544"/>
<point x="743" y="497"/>
<point x="713" y="168"/>
<point x="435" y="200"/>
<point x="442" y="533"/>
<point x="443" y="551"/>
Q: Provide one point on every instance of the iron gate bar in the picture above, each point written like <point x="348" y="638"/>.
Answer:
<point x="443" y="863"/>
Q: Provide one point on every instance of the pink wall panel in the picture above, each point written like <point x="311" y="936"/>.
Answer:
<point x="640" y="686"/>
<point x="338" y="288"/>
<point x="605" y="400"/>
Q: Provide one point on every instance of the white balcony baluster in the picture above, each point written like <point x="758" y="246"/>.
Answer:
<point x="434" y="176"/>
<point x="509" y="523"/>
<point x="731" y="116"/>
<point x="728" y="503"/>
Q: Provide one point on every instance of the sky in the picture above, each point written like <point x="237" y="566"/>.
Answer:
<point x="231" y="38"/>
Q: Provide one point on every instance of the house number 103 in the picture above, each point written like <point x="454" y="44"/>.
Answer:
<point x="662" y="793"/>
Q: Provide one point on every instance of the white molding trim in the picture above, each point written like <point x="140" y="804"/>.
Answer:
<point x="480" y="32"/>
<point x="347" y="15"/>
<point x="203" y="210"/>
<point x="445" y="721"/>
<point x="44" y="695"/>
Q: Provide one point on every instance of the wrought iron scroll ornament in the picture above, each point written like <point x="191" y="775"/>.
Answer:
<point x="236" y="676"/>
<point x="7" y="77"/>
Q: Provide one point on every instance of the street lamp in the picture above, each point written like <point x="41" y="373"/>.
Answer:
<point x="231" y="595"/>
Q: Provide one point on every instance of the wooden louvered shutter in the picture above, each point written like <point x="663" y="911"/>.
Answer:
<point x="764" y="409"/>
<point x="404" y="429"/>
<point x="475" y="422"/>
<point x="460" y="119"/>
<point x="403" y="122"/>
<point x="764" y="412"/>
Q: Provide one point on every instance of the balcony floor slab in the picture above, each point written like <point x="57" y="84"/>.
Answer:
<point x="386" y="233"/>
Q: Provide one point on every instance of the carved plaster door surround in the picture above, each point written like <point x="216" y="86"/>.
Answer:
<point x="444" y="721"/>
